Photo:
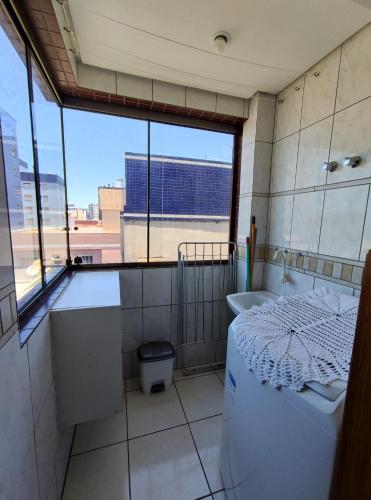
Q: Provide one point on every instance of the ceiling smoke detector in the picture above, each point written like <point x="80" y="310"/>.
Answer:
<point x="220" y="41"/>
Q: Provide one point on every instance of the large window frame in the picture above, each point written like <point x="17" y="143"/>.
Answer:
<point x="30" y="55"/>
<point x="114" y="110"/>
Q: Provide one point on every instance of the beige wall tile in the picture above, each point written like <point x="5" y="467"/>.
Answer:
<point x="280" y="220"/>
<point x="249" y="127"/>
<point x="262" y="167"/>
<point x="134" y="86"/>
<point x="320" y="89"/>
<point x="229" y="105"/>
<point x="259" y="208"/>
<point x="284" y="163"/>
<point x="273" y="279"/>
<point x="244" y="214"/>
<point x="366" y="240"/>
<point x="168" y="93"/>
<point x="314" y="145"/>
<point x="265" y="118"/>
<point x="355" y="69"/>
<point x="94" y="78"/>
<point x="200" y="99"/>
<point x="247" y="168"/>
<point x="351" y="136"/>
<point x="289" y="103"/>
<point x="342" y="222"/>
<point x="306" y="221"/>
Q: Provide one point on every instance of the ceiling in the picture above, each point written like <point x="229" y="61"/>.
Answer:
<point x="272" y="41"/>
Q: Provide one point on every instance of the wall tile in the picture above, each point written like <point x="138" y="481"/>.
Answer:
<point x="134" y="86"/>
<point x="241" y="275"/>
<point x="132" y="329"/>
<point x="247" y="168"/>
<point x="284" y="161"/>
<point x="249" y="126"/>
<point x="46" y="440"/>
<point x="131" y="287"/>
<point x="41" y="369"/>
<point x="320" y="89"/>
<point x="306" y="221"/>
<point x="259" y="208"/>
<point x="355" y="69"/>
<point x="262" y="167"/>
<point x="357" y="275"/>
<point x="366" y="240"/>
<point x="298" y="283"/>
<point x="280" y="220"/>
<point x="244" y="214"/>
<point x="314" y="145"/>
<point x="18" y="475"/>
<point x="199" y="354"/>
<point x="342" y="223"/>
<point x="156" y="287"/>
<point x="157" y="323"/>
<point x="6" y="313"/>
<point x="321" y="283"/>
<point x="92" y="77"/>
<point x="351" y="136"/>
<point x="200" y="99"/>
<point x="265" y="118"/>
<point x="273" y="279"/>
<point x="289" y="103"/>
<point x="229" y="105"/>
<point x="168" y="93"/>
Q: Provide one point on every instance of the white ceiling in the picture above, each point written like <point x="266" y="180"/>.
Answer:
<point x="273" y="41"/>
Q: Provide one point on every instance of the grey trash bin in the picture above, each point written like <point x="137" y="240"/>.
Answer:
<point x="156" y="366"/>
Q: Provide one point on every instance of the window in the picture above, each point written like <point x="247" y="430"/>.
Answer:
<point x="48" y="138"/>
<point x="190" y="174"/>
<point x="97" y="147"/>
<point x="190" y="188"/>
<point x="18" y="156"/>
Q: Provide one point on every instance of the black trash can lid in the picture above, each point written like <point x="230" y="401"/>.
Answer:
<point x="155" y="351"/>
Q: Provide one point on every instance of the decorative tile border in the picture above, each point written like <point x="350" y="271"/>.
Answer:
<point x="348" y="273"/>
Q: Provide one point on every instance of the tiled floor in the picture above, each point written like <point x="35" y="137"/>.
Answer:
<point x="163" y="446"/>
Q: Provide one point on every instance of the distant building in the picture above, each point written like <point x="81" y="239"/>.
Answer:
<point x="76" y="213"/>
<point x="111" y="201"/>
<point x="52" y="199"/>
<point x="189" y="201"/>
<point x="93" y="211"/>
<point x="12" y="167"/>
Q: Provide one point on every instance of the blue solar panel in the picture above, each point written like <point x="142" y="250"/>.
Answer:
<point x="178" y="188"/>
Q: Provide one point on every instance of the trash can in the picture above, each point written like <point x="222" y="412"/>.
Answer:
<point x="156" y="366"/>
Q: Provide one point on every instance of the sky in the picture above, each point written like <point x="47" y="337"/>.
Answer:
<point x="96" y="145"/>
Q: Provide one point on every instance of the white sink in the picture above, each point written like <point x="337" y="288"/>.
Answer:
<point x="239" y="302"/>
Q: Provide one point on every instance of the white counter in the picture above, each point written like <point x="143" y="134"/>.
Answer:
<point x="90" y="289"/>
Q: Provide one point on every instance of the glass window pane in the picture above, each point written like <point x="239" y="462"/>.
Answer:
<point x="49" y="150"/>
<point x="18" y="160"/>
<point x="107" y="212"/>
<point x="190" y="188"/>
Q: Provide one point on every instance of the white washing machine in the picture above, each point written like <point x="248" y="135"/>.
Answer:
<point x="277" y="444"/>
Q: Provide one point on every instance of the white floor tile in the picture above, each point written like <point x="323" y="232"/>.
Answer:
<point x="201" y="396"/>
<point x="179" y="375"/>
<point x="100" y="432"/>
<point x="153" y="412"/>
<point x="165" y="466"/>
<point x="207" y="435"/>
<point x="99" y="474"/>
<point x="132" y="384"/>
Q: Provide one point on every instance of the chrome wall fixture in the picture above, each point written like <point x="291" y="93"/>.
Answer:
<point x="329" y="166"/>
<point x="351" y="161"/>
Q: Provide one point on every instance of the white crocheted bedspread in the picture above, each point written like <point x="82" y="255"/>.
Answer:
<point x="299" y="339"/>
